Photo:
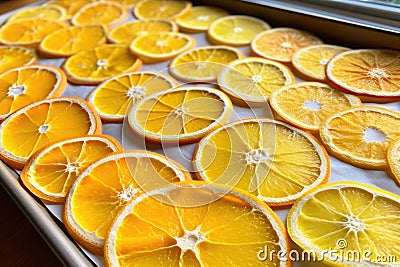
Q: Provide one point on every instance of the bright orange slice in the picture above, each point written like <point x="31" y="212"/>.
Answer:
<point x="51" y="12"/>
<point x="16" y="56"/>
<point x="71" y="6"/>
<point x="30" y="128"/>
<point x="199" y="18"/>
<point x="51" y="171"/>
<point x="161" y="9"/>
<point x="393" y="158"/>
<point x="95" y="199"/>
<point x="125" y="3"/>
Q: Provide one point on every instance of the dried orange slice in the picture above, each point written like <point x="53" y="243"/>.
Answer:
<point x="125" y="3"/>
<point x="161" y="9"/>
<point x="236" y="30"/>
<point x="51" y="171"/>
<point x="93" y="66"/>
<point x="161" y="46"/>
<point x="30" y="128"/>
<point x="69" y="41"/>
<point x="16" y="56"/>
<point x="251" y="80"/>
<point x="71" y="6"/>
<point x="349" y="220"/>
<point x="269" y="159"/>
<point x="308" y="104"/>
<point x="179" y="115"/>
<point x="372" y="74"/>
<point x="361" y="135"/>
<point x="148" y="232"/>
<point x="281" y="44"/>
<point x="112" y="98"/>
<point x="95" y="199"/>
<point x="199" y="18"/>
<point x="51" y="12"/>
<point x="127" y="32"/>
<point x="310" y="61"/>
<point x="22" y="86"/>
<point x="106" y="13"/>
<point x="203" y="63"/>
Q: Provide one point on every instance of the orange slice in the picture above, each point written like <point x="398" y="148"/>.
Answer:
<point x="22" y="86"/>
<point x="199" y="18"/>
<point x="51" y="12"/>
<point x="161" y="46"/>
<point x="269" y="159"/>
<point x="51" y="171"/>
<point x="310" y="61"/>
<point x="235" y="30"/>
<point x="307" y="105"/>
<point x="203" y="63"/>
<point x="372" y="74"/>
<point x="93" y="66"/>
<point x="69" y="41"/>
<point x="351" y="221"/>
<point x="71" y="6"/>
<point x="281" y="44"/>
<point x="361" y="135"/>
<point x="161" y="9"/>
<point x="251" y="80"/>
<point x="180" y="115"/>
<point x="16" y="56"/>
<point x="95" y="199"/>
<point x="125" y="3"/>
<point x="112" y="98"/>
<point x="127" y="32"/>
<point x="148" y="232"/>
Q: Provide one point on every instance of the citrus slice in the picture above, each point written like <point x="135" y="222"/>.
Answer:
<point x="95" y="199"/>
<point x="281" y="44"/>
<point x="199" y="18"/>
<point x="127" y="32"/>
<point x="161" y="46"/>
<point x="203" y="63"/>
<point x="347" y="224"/>
<point x="104" y="12"/>
<point x="16" y="56"/>
<point x="235" y="30"/>
<point x="51" y="12"/>
<point x="251" y="80"/>
<point x="51" y="171"/>
<point x="373" y="74"/>
<point x="125" y="3"/>
<point x="161" y="9"/>
<point x="310" y="61"/>
<point x="28" y="32"/>
<point x="361" y="135"/>
<point x="71" y="6"/>
<point x="269" y="159"/>
<point x="182" y="115"/>
<point x="307" y="105"/>
<point x="32" y="127"/>
<point x="148" y="232"/>
<point x="93" y="66"/>
<point x="393" y="158"/>
<point x="69" y="41"/>
<point x="112" y="98"/>
<point x="22" y="86"/>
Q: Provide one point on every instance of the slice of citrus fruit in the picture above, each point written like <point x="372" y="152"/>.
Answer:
<point x="310" y="61"/>
<point x="347" y="224"/>
<point x="106" y="13"/>
<point x="361" y="135"/>
<point x="373" y="74"/>
<point x="51" y="171"/>
<point x="125" y="3"/>
<point x="71" y="6"/>
<point x="112" y="98"/>
<point x="161" y="9"/>
<point x="203" y="63"/>
<point x="127" y="32"/>
<point x="51" y="12"/>
<point x="161" y="46"/>
<point x="32" y="127"/>
<point x="22" y="86"/>
<point x="281" y="44"/>
<point x="251" y="80"/>
<point x="69" y="41"/>
<point x="307" y="105"/>
<point x="270" y="159"/>
<point x="93" y="66"/>
<point x="178" y="233"/>
<point x="199" y="18"/>
<point x="179" y="115"/>
<point x="16" y="56"/>
<point x="95" y="199"/>
<point x="236" y="30"/>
